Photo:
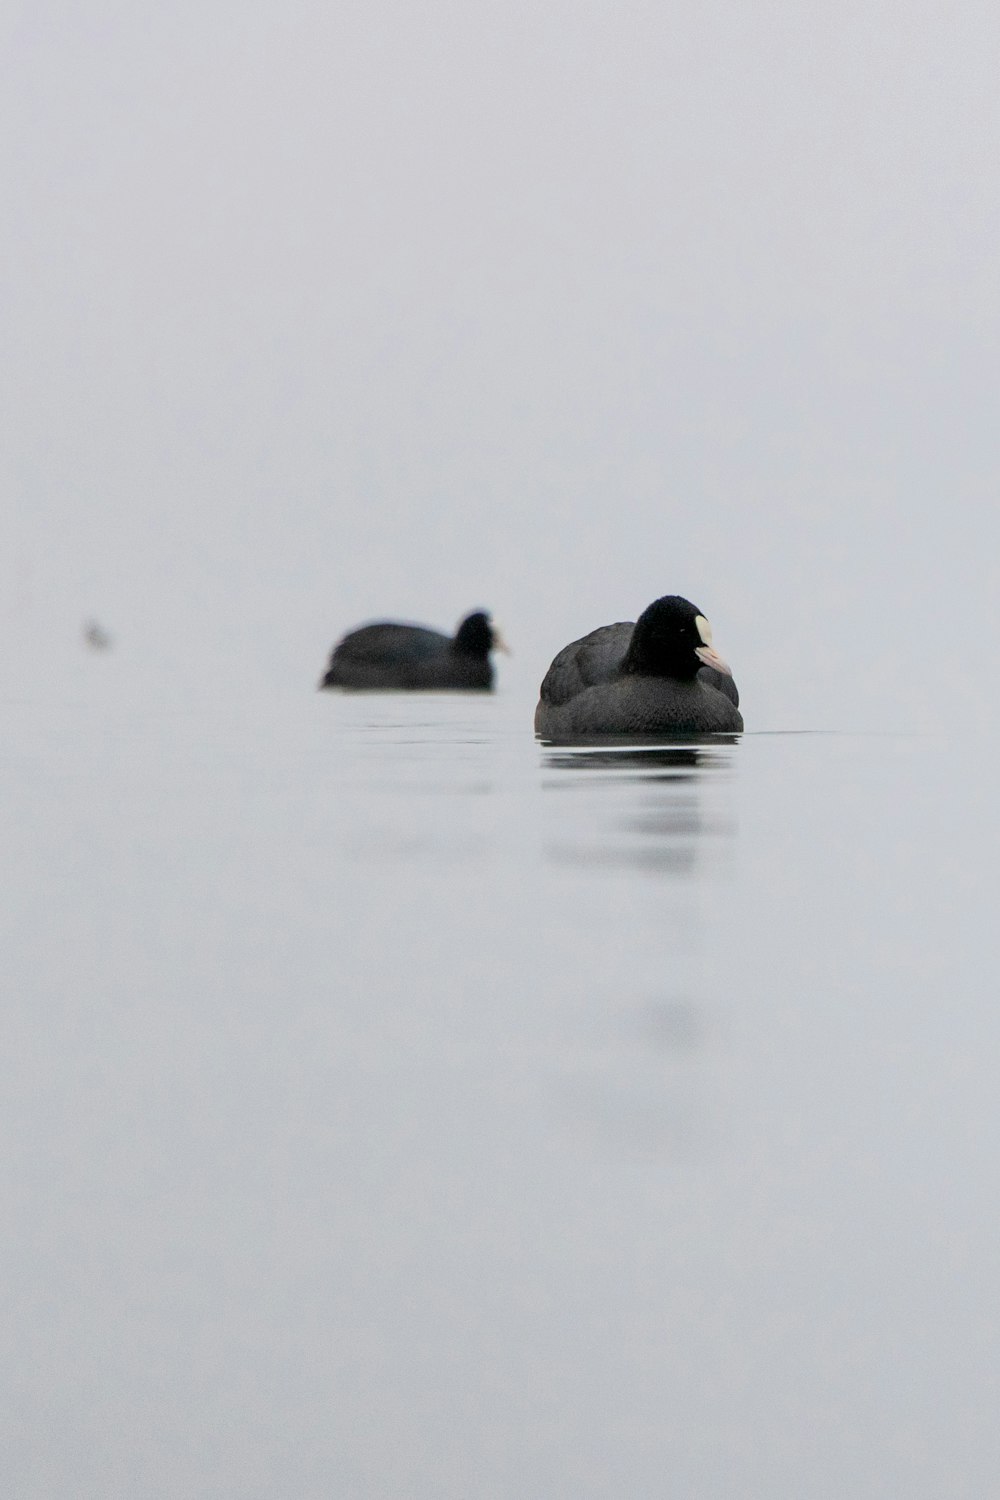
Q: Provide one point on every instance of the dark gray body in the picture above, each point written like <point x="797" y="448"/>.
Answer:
<point x="584" y="692"/>
<point x="388" y="657"/>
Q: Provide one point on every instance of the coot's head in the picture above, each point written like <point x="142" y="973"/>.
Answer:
<point x="477" y="636"/>
<point x="672" y="638"/>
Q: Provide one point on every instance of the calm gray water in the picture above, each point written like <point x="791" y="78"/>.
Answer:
<point x="392" y="1106"/>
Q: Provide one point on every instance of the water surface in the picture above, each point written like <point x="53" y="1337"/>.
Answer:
<point x="393" y="1105"/>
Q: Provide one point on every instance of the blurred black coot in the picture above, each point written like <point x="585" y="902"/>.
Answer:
<point x="387" y="656"/>
<point x="95" y="636"/>
<point x="658" y="676"/>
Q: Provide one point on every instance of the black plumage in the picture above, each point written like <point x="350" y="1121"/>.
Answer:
<point x="657" y="676"/>
<point x="387" y="656"/>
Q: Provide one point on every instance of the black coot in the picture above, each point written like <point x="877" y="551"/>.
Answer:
<point x="387" y="656"/>
<point x="658" y="676"/>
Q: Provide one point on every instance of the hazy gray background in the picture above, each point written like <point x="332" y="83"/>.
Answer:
<point x="315" y="312"/>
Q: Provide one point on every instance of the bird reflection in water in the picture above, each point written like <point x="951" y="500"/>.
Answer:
<point x="654" y="761"/>
<point x="646" y="837"/>
<point x="653" y="794"/>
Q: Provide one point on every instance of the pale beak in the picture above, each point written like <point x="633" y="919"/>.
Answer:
<point x="710" y="658"/>
<point x="499" y="644"/>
